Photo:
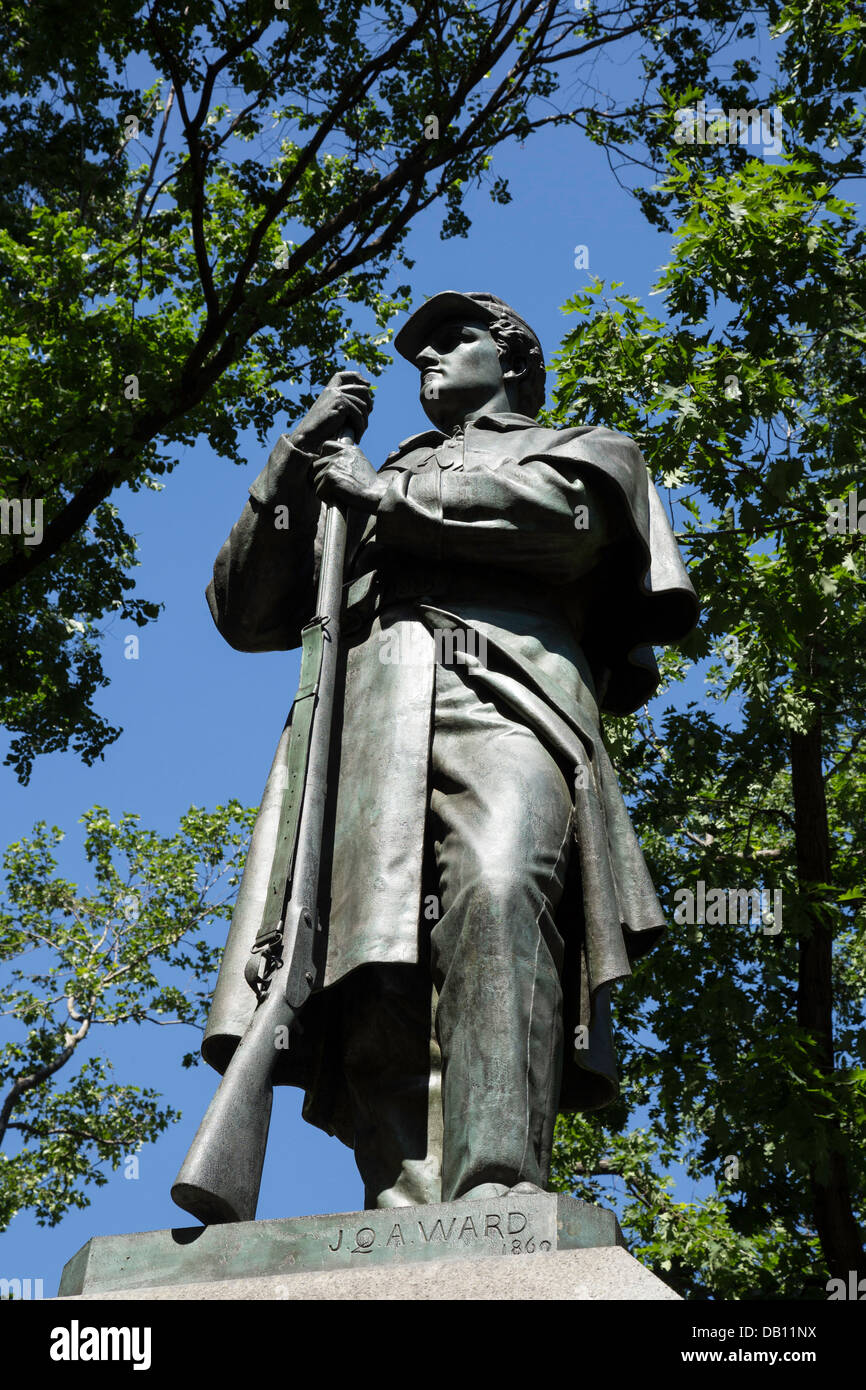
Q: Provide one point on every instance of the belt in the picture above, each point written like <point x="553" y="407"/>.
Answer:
<point x="371" y="592"/>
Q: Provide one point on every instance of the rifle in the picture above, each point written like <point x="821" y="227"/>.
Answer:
<point x="221" y="1175"/>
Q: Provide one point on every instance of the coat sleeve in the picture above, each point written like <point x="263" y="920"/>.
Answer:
<point x="545" y="517"/>
<point x="263" y="586"/>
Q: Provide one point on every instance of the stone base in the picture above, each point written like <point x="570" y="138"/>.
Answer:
<point x="464" y="1249"/>
<point x="599" y="1275"/>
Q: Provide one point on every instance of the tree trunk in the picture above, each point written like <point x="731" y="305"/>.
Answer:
<point x="837" y="1229"/>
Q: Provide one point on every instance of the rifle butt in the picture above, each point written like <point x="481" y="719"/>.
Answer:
<point x="221" y="1175"/>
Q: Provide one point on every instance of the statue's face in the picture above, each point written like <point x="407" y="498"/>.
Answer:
<point x="461" y="373"/>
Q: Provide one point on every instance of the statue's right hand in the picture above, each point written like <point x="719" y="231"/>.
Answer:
<point x="345" y="403"/>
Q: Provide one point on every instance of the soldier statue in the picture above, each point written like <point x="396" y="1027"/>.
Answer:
<point x="482" y="886"/>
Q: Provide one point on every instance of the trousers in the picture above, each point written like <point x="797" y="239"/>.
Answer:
<point x="453" y="1065"/>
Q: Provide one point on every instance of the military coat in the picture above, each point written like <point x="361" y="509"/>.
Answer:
<point x="542" y="560"/>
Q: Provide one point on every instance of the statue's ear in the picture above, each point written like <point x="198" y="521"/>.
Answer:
<point x="515" y="366"/>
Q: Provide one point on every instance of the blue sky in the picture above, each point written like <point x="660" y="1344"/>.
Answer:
<point x="200" y="721"/>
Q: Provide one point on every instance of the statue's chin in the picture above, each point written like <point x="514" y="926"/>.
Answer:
<point x="437" y="418"/>
<point x="446" y="414"/>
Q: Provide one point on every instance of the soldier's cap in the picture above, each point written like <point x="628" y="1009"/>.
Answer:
<point x="415" y="333"/>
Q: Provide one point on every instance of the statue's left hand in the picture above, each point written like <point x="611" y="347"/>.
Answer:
<point x="342" y="473"/>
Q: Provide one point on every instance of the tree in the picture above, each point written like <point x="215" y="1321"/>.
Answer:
<point x="150" y="299"/>
<point x="138" y="948"/>
<point x="747" y="1050"/>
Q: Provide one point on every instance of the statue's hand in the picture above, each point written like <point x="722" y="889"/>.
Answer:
<point x="346" y="402"/>
<point x="343" y="473"/>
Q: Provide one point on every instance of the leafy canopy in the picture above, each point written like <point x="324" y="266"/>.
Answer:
<point x="203" y="210"/>
<point x="140" y="946"/>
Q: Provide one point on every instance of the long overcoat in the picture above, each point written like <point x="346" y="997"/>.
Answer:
<point x="548" y="557"/>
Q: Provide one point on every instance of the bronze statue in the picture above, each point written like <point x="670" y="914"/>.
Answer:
<point x="482" y="886"/>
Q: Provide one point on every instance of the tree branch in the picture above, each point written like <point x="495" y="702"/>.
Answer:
<point x="35" y="1078"/>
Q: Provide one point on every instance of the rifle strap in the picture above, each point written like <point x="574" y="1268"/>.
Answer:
<point x="297" y="757"/>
